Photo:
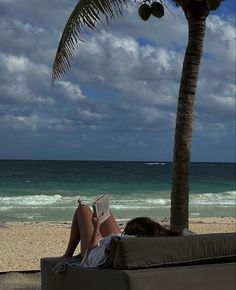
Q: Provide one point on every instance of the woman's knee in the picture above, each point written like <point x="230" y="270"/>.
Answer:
<point x="83" y="209"/>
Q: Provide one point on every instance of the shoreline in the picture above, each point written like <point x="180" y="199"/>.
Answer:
<point x="23" y="244"/>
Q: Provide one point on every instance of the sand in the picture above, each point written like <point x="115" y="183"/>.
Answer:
<point x="24" y="243"/>
<point x="20" y="281"/>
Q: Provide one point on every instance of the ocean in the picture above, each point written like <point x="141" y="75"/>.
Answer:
<point x="49" y="190"/>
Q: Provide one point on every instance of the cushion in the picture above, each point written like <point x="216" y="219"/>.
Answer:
<point x="135" y="253"/>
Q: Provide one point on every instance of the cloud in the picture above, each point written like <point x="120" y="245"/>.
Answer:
<point x="71" y="91"/>
<point x="122" y="89"/>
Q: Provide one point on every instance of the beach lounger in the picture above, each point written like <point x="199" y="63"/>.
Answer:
<point x="199" y="262"/>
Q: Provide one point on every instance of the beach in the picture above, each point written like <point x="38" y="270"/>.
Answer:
<point x="23" y="244"/>
<point x="38" y="199"/>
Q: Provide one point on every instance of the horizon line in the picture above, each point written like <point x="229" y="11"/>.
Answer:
<point x="108" y="160"/>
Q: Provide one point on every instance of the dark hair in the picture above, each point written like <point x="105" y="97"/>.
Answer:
<point x="146" y="227"/>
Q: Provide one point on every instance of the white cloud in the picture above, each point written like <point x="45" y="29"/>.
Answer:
<point x="220" y="38"/>
<point x="90" y="116"/>
<point x="15" y="64"/>
<point x="72" y="91"/>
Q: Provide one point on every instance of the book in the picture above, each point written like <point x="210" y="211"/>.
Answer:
<point x="101" y="206"/>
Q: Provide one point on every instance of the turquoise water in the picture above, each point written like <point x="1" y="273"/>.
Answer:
<point x="48" y="190"/>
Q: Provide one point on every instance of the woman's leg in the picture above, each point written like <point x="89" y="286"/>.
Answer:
<point x="81" y="230"/>
<point x="84" y="219"/>
<point x="109" y="226"/>
<point x="74" y="237"/>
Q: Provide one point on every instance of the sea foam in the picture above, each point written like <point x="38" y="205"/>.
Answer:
<point x="29" y="200"/>
<point x="212" y="199"/>
<point x="155" y="163"/>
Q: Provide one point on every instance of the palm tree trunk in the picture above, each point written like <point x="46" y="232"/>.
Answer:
<point x="184" y="120"/>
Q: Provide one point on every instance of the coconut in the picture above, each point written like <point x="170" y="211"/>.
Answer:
<point x="213" y="4"/>
<point x="144" y="11"/>
<point x="157" y="9"/>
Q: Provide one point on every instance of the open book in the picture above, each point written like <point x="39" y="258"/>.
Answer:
<point x="101" y="206"/>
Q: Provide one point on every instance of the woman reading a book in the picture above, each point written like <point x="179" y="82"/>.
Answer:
<point x="95" y="234"/>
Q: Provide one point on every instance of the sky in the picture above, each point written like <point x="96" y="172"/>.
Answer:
<point x="119" y="100"/>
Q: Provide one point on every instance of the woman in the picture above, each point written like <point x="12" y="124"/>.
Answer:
<point x="95" y="236"/>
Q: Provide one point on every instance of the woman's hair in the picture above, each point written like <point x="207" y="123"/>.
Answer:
<point x="146" y="227"/>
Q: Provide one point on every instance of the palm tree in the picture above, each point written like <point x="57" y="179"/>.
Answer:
<point x="88" y="13"/>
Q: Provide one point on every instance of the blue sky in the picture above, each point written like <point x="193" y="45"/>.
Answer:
<point x="119" y="100"/>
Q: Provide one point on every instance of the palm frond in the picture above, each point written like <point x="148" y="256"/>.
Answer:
<point x="86" y="14"/>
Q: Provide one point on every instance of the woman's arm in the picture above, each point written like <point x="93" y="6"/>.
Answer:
<point x="96" y="236"/>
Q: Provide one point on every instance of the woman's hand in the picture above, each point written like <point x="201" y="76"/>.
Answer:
<point x="97" y="221"/>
